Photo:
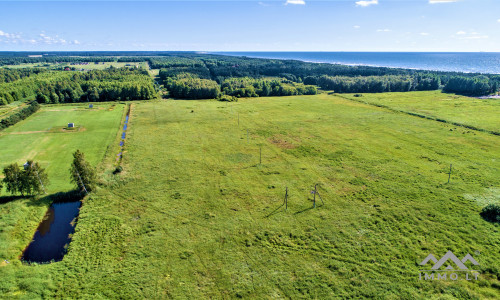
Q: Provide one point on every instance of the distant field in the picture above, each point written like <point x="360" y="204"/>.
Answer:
<point x="195" y="215"/>
<point x="89" y="66"/>
<point x="480" y="113"/>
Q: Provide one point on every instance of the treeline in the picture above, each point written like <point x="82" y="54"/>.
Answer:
<point x="99" y="85"/>
<point x="251" y="87"/>
<point x="20" y="115"/>
<point x="188" y="87"/>
<point x="472" y="86"/>
<point x="374" y="84"/>
<point x="113" y="84"/>
<point x="339" y="78"/>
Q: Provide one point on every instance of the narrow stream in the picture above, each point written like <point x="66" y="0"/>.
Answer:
<point x="124" y="134"/>
<point x="53" y="235"/>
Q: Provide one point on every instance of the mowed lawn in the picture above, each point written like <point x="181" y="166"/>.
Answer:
<point x="480" y="113"/>
<point x="41" y="138"/>
<point x="197" y="211"/>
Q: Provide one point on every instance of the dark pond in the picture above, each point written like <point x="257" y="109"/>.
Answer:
<point x="53" y="234"/>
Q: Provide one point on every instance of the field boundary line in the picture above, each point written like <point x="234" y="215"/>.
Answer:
<point x="421" y="115"/>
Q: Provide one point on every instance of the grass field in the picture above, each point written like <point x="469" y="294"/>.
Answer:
<point x="480" y="113"/>
<point x="41" y="138"/>
<point x="195" y="215"/>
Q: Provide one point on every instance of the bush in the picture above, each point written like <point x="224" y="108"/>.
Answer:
<point x="118" y="170"/>
<point x="228" y="98"/>
<point x="491" y="213"/>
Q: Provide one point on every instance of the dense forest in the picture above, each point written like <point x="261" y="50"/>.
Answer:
<point x="99" y="85"/>
<point x="339" y="78"/>
<point x="192" y="75"/>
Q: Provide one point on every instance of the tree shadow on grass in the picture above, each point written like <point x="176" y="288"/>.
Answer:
<point x="43" y="200"/>
<point x="7" y="199"/>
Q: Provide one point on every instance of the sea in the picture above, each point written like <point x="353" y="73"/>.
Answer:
<point x="467" y="62"/>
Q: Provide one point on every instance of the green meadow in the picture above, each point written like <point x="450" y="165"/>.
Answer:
<point x="198" y="210"/>
<point x="480" y="113"/>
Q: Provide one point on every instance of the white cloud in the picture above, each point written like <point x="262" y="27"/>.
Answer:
<point x="383" y="30"/>
<point x="441" y="1"/>
<point x="11" y="36"/>
<point x="424" y="33"/>
<point x="498" y="20"/>
<point x="295" y="2"/>
<point x="475" y="37"/>
<point x="365" y="3"/>
<point x="356" y="27"/>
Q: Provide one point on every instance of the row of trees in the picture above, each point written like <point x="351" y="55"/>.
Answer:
<point x="369" y="84"/>
<point x="31" y="178"/>
<point x="472" y="86"/>
<point x="20" y="115"/>
<point x="251" y="87"/>
<point x="189" y="87"/>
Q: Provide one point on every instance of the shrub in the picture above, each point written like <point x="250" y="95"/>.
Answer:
<point x="491" y="213"/>
<point x="118" y="170"/>
<point x="228" y="98"/>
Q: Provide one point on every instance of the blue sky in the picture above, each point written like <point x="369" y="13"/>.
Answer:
<point x="279" y="25"/>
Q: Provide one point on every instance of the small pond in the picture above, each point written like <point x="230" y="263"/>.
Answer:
<point x="53" y="234"/>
